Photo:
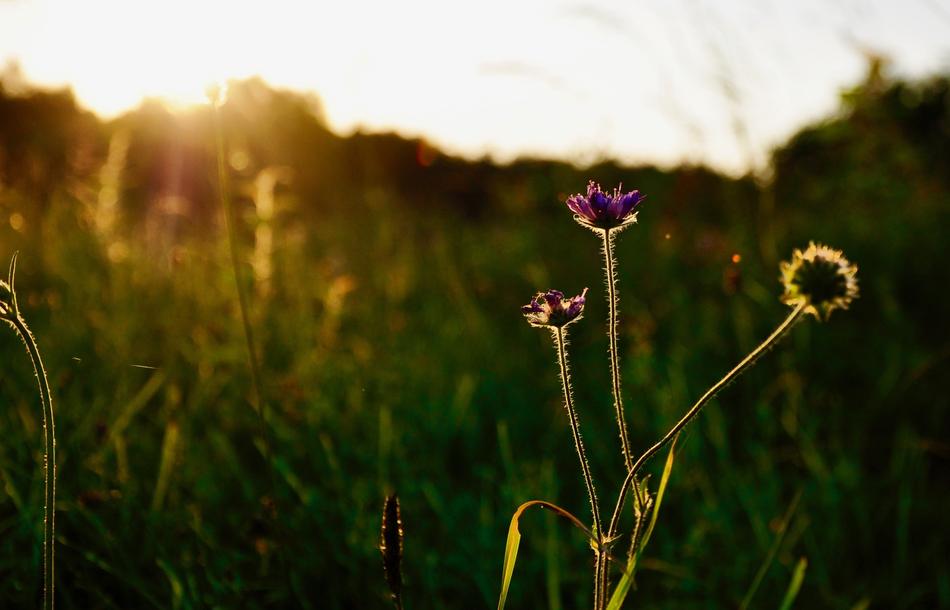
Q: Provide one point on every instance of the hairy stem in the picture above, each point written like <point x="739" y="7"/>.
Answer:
<point x="600" y="568"/>
<point x="49" y="457"/>
<point x="746" y="362"/>
<point x="610" y="265"/>
<point x="613" y="302"/>
<point x="600" y="577"/>
<point x="560" y="335"/>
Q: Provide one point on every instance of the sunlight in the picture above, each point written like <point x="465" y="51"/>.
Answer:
<point x="174" y="52"/>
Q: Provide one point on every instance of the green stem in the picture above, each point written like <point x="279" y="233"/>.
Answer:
<point x="600" y="569"/>
<point x="599" y="554"/>
<point x="613" y="302"/>
<point x="560" y="343"/>
<point x="746" y="362"/>
<point x="610" y="264"/>
<point x="49" y="458"/>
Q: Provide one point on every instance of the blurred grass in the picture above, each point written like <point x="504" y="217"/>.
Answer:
<point x="395" y="358"/>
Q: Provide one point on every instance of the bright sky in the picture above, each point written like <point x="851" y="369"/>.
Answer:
<point x="658" y="81"/>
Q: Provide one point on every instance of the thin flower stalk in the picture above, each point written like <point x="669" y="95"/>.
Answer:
<point x="560" y="341"/>
<point x="610" y="264"/>
<point x="10" y="313"/>
<point x="600" y="561"/>
<point x="749" y="360"/>
<point x="552" y="310"/>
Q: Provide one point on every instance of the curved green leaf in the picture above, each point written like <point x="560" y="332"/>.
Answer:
<point x="514" y="540"/>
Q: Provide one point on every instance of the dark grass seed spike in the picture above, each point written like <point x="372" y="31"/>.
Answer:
<point x="390" y="545"/>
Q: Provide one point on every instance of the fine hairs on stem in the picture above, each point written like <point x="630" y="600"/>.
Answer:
<point x="559" y="333"/>
<point x="560" y="342"/>
<point x="613" y="301"/>
<point x="10" y="313"/>
<point x="551" y="310"/>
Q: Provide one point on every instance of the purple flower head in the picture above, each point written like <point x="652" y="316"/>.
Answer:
<point x="601" y="211"/>
<point x="552" y="309"/>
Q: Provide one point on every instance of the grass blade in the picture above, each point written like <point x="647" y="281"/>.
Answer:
<point x="166" y="465"/>
<point x="797" y="577"/>
<point x="660" y="494"/>
<point x="773" y="550"/>
<point x="626" y="581"/>
<point x="514" y="540"/>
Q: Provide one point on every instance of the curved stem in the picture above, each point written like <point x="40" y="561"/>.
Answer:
<point x="746" y="362"/>
<point x="559" y="341"/>
<point x="610" y="264"/>
<point x="49" y="458"/>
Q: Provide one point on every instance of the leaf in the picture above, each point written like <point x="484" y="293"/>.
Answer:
<point x="626" y="581"/>
<point x="660" y="493"/>
<point x="514" y="540"/>
<point x="797" y="577"/>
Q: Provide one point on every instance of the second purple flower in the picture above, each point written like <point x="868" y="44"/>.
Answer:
<point x="552" y="309"/>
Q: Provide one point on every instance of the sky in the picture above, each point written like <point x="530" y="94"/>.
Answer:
<point x="719" y="82"/>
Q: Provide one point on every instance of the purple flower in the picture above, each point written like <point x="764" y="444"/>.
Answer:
<point x="552" y="309"/>
<point x="601" y="211"/>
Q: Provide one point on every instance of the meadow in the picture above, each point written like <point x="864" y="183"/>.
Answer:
<point x="385" y="280"/>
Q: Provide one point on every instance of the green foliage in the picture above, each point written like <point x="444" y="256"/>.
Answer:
<point x="394" y="356"/>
